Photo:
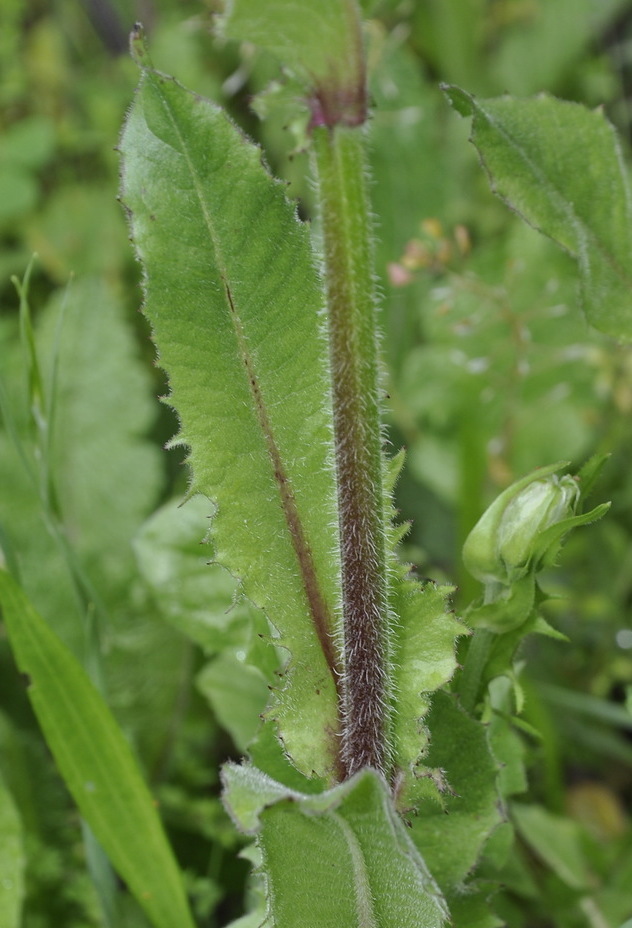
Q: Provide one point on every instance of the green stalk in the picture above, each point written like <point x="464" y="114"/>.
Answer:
<point x="346" y="225"/>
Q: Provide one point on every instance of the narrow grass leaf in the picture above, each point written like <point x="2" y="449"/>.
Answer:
<point x="234" y="300"/>
<point x="583" y="704"/>
<point x="96" y="762"/>
<point x="560" y="166"/>
<point x="12" y="861"/>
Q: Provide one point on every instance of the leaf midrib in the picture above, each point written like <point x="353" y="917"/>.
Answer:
<point x="316" y="601"/>
<point x="365" y="908"/>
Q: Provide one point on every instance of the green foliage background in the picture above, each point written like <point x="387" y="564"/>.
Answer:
<point x="491" y="371"/>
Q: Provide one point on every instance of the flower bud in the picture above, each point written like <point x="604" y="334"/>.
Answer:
<point x="503" y="545"/>
<point x="534" y="509"/>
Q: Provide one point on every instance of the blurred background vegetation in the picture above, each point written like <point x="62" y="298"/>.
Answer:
<point x="490" y="369"/>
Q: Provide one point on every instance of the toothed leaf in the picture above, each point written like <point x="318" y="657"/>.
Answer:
<point x="234" y="301"/>
<point x="423" y="660"/>
<point x="460" y="762"/>
<point x="560" y="166"/>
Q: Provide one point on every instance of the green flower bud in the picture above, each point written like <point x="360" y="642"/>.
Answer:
<point x="534" y="509"/>
<point x="503" y="544"/>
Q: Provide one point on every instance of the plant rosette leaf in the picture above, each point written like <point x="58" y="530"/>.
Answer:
<point x="234" y="299"/>
<point x="96" y="762"/>
<point x="341" y="857"/>
<point x="560" y="167"/>
<point x="321" y="43"/>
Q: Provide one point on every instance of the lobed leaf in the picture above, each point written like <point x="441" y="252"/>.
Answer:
<point x="422" y="650"/>
<point x="234" y="301"/>
<point x="423" y="659"/>
<point x="96" y="762"/>
<point x="559" y="165"/>
<point x="357" y="867"/>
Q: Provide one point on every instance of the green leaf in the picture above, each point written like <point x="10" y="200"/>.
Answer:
<point x="460" y="762"/>
<point x="342" y="857"/>
<point x="583" y="704"/>
<point x="546" y="41"/>
<point x="11" y="861"/>
<point x="559" y="165"/>
<point x="198" y="598"/>
<point x="266" y="753"/>
<point x="505" y="743"/>
<point x="238" y="694"/>
<point x="234" y="306"/>
<point x="423" y="659"/>
<point x="96" y="762"/>
<point x="102" y="411"/>
<point x="320" y="42"/>
<point x="556" y="840"/>
<point x="473" y="911"/>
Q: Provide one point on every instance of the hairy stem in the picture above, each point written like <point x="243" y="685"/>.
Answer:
<point x="346" y="228"/>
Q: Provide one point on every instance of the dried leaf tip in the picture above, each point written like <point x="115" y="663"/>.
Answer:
<point x="138" y="45"/>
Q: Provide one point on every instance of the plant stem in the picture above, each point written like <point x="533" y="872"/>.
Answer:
<point x="346" y="226"/>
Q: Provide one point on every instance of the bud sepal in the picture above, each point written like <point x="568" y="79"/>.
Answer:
<point x="523" y="529"/>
